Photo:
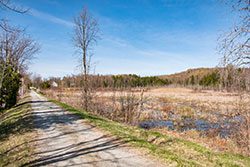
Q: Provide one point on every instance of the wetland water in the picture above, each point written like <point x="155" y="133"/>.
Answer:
<point x="223" y="128"/>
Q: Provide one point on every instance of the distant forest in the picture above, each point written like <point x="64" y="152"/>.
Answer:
<point x="210" y="78"/>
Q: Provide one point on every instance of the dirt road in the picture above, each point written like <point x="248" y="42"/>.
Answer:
<point x="66" y="140"/>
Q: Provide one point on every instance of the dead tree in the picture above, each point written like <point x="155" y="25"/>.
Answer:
<point x="85" y="36"/>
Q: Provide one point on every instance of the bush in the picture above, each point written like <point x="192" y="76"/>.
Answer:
<point x="45" y="85"/>
<point x="10" y="88"/>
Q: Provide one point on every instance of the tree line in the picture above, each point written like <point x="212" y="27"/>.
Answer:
<point x="104" y="81"/>
<point x="214" y="78"/>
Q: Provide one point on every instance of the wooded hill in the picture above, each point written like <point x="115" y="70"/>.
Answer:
<point x="197" y="76"/>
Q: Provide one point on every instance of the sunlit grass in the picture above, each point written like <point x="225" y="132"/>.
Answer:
<point x="15" y="134"/>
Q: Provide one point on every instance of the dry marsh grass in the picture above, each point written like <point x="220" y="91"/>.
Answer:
<point x="181" y="105"/>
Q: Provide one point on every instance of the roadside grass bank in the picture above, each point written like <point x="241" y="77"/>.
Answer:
<point x="174" y="151"/>
<point x="16" y="134"/>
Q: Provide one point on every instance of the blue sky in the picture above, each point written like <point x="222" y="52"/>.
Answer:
<point x="144" y="37"/>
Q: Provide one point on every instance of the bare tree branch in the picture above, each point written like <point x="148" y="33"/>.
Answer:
<point x="16" y="50"/>
<point x="234" y="45"/>
<point x="7" y="4"/>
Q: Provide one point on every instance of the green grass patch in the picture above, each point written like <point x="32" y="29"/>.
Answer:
<point x="174" y="151"/>
<point x="16" y="130"/>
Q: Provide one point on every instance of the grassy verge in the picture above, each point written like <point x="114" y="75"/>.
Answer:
<point x="173" y="151"/>
<point x="15" y="134"/>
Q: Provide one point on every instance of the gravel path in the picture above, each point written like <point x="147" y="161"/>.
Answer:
<point x="66" y="140"/>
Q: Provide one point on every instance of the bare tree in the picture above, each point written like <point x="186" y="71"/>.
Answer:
<point x="235" y="44"/>
<point x="36" y="80"/>
<point x="235" y="47"/>
<point x="85" y="36"/>
<point x="16" y="50"/>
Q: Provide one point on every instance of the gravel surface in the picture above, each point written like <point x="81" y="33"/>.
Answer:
<point x="63" y="139"/>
